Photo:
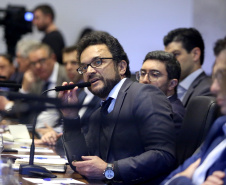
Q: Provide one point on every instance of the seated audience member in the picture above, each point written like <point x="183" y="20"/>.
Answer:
<point x="44" y="73"/>
<point x="44" y="21"/>
<point x="220" y="49"/>
<point x="85" y="96"/>
<point x="208" y="166"/>
<point x="188" y="47"/>
<point x="162" y="70"/>
<point x="131" y="138"/>
<point x="22" y="49"/>
<point x="8" y="71"/>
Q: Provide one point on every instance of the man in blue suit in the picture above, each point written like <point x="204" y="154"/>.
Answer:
<point x="131" y="138"/>
<point x="208" y="166"/>
<point x="162" y="70"/>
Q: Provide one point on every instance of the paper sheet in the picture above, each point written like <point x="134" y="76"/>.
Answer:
<point x="53" y="181"/>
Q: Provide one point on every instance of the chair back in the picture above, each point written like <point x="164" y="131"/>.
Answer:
<point x="201" y="112"/>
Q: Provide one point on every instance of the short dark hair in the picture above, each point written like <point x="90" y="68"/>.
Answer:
<point x="7" y="57"/>
<point x="70" y="49"/>
<point x="219" y="46"/>
<point x="100" y="37"/>
<point x="46" y="9"/>
<point x="172" y="65"/>
<point x="189" y="37"/>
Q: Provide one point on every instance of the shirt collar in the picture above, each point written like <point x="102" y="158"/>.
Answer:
<point x="114" y="92"/>
<point x="190" y="78"/>
<point x="53" y="76"/>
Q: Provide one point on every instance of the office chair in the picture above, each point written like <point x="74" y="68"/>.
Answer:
<point x="201" y="112"/>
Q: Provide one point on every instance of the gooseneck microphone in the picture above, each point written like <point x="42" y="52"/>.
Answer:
<point x="72" y="86"/>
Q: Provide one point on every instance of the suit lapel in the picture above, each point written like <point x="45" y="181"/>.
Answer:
<point x="117" y="109"/>
<point x="191" y="88"/>
<point x="215" y="136"/>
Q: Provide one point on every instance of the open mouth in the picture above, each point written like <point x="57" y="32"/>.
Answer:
<point x="93" y="80"/>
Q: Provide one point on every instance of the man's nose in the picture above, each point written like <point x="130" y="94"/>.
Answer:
<point x="145" y="80"/>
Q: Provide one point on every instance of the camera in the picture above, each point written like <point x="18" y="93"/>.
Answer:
<point x="16" y="21"/>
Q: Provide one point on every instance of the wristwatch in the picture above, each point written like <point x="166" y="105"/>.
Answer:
<point x="108" y="172"/>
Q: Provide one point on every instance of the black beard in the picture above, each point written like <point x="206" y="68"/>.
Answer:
<point x="109" y="84"/>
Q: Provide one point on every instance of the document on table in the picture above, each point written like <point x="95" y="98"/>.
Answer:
<point x="53" y="180"/>
<point x="40" y="150"/>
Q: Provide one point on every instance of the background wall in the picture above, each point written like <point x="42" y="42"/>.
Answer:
<point x="139" y="25"/>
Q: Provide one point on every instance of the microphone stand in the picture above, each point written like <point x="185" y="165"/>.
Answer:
<point x="31" y="169"/>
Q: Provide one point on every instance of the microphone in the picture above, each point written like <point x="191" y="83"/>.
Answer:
<point x="72" y="86"/>
<point x="2" y="77"/>
<point x="10" y="85"/>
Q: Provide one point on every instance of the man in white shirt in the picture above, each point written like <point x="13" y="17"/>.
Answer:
<point x="188" y="47"/>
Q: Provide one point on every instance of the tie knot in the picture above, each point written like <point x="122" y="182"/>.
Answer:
<point x="105" y="105"/>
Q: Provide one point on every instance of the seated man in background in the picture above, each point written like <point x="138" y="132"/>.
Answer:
<point x="188" y="47"/>
<point x="162" y="70"/>
<point x="208" y="166"/>
<point x="44" y="73"/>
<point x="22" y="49"/>
<point x="71" y="64"/>
<point x="8" y="72"/>
<point x="131" y="138"/>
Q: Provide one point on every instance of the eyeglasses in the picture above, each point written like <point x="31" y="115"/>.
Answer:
<point x="40" y="61"/>
<point x="94" y="64"/>
<point x="153" y="75"/>
<point x="74" y="63"/>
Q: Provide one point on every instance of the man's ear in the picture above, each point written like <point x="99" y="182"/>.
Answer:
<point x="196" y="53"/>
<point x="172" y="84"/>
<point x="122" y="67"/>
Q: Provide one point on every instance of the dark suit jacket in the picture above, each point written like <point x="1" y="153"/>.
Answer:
<point x="216" y="133"/>
<point x="141" y="140"/>
<point x="178" y="110"/>
<point x="199" y="87"/>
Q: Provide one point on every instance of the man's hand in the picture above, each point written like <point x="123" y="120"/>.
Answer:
<point x="190" y="170"/>
<point x="28" y="79"/>
<point x="92" y="167"/>
<point x="43" y="131"/>
<point x="51" y="137"/>
<point x="215" y="178"/>
<point x="69" y="97"/>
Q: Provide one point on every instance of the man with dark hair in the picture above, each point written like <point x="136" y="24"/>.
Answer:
<point x="71" y="64"/>
<point x="43" y="20"/>
<point x="188" y="47"/>
<point x="131" y="138"/>
<point x="8" y="71"/>
<point x="162" y="70"/>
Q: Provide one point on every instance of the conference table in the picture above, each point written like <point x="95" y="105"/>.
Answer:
<point x="68" y="174"/>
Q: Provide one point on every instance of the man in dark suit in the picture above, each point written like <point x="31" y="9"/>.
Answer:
<point x="208" y="166"/>
<point x="71" y="64"/>
<point x="131" y="138"/>
<point x="162" y="70"/>
<point x="188" y="47"/>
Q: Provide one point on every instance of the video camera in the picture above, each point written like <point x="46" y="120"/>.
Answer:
<point x="16" y="21"/>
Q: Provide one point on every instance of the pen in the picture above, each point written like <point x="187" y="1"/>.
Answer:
<point x="40" y="157"/>
<point x="27" y="147"/>
<point x="56" y="179"/>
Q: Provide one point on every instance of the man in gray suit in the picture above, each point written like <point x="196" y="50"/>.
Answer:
<point x="131" y="138"/>
<point x="44" y="73"/>
<point x="188" y="47"/>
